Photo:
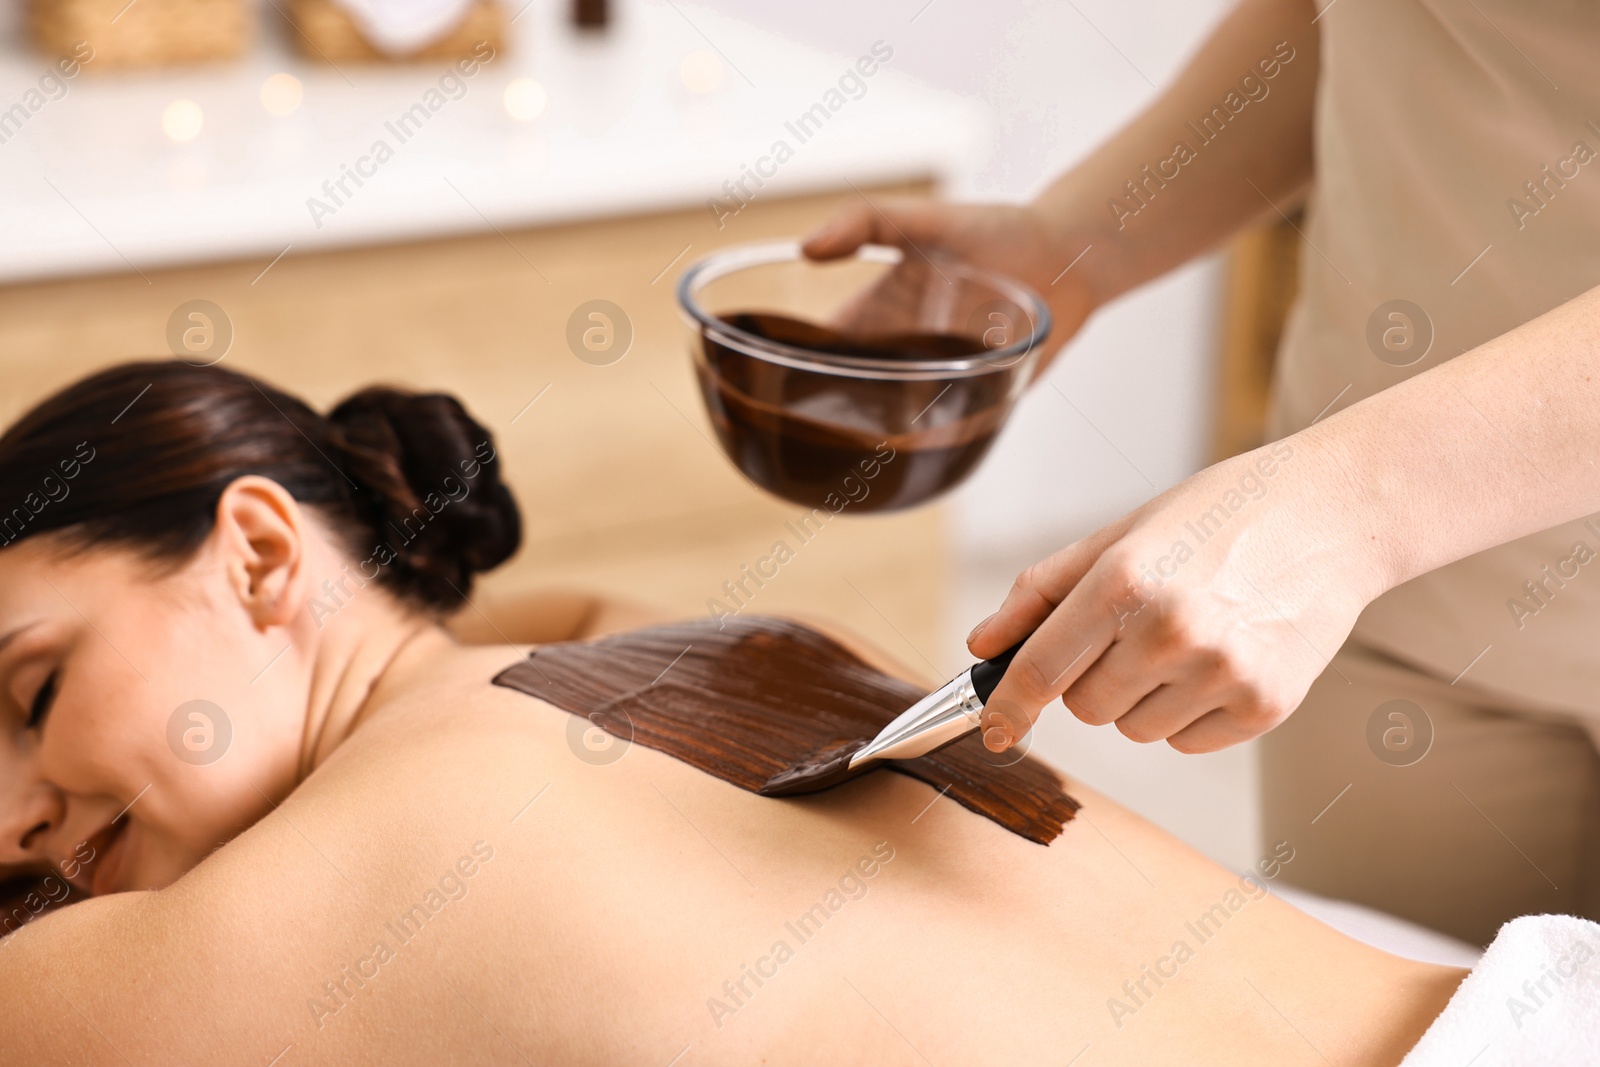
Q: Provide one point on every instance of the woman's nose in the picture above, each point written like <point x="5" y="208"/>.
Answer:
<point x="28" y="815"/>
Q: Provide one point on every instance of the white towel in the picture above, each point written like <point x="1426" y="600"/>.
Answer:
<point x="400" y="27"/>
<point x="1532" y="1001"/>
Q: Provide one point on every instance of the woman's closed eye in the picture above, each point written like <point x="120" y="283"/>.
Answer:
<point x="41" y="702"/>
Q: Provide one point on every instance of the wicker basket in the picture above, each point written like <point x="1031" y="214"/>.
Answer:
<point x="141" y="33"/>
<point x="325" y="31"/>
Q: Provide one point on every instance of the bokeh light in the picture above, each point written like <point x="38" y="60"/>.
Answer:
<point x="281" y="94"/>
<point x="181" y="120"/>
<point x="525" y="99"/>
<point x="701" y="72"/>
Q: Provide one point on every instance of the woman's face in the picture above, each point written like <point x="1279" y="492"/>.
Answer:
<point x="144" y="719"/>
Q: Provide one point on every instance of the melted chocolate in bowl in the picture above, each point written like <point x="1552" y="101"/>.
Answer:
<point x="759" y="702"/>
<point x="816" y="437"/>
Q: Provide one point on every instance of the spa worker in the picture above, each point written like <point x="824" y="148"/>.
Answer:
<point x="1419" y="531"/>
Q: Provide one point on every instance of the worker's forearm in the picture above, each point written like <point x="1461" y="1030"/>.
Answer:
<point x="1232" y="132"/>
<point x="1496" y="444"/>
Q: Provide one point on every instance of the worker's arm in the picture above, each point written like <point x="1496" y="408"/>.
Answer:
<point x="1241" y="112"/>
<point x="1204" y="616"/>
<point x="1261" y="60"/>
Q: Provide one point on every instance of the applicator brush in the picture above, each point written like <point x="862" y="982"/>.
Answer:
<point x="945" y="715"/>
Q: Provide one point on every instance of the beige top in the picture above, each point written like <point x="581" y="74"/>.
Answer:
<point x="1458" y="168"/>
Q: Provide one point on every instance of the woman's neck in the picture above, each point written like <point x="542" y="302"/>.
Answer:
<point x="351" y="663"/>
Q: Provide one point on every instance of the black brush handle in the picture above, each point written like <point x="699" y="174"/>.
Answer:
<point x="987" y="675"/>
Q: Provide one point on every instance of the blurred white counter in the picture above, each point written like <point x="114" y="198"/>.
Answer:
<point x="90" y="182"/>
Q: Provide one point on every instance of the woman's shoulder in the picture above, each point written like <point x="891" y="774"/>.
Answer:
<point x="454" y="686"/>
<point x="449" y="694"/>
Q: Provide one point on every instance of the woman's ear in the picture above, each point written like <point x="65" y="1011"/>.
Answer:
<point x="260" y="534"/>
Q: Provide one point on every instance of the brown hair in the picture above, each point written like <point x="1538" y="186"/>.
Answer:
<point x="138" y="456"/>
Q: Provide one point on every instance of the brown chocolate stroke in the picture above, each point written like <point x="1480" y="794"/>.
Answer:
<point x="756" y="700"/>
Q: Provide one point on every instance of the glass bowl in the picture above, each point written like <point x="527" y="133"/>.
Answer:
<point x="873" y="383"/>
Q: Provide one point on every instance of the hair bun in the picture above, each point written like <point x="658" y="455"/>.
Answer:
<point x="427" y="480"/>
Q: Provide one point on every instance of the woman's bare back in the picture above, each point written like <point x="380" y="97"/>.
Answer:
<point x="460" y="883"/>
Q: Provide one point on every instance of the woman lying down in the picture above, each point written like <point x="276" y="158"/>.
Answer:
<point x="294" y="822"/>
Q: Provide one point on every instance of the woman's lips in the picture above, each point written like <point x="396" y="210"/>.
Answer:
<point x="77" y="869"/>
<point x="111" y="849"/>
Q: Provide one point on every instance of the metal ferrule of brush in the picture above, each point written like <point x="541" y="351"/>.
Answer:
<point x="949" y="712"/>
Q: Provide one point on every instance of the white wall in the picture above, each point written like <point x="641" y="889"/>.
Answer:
<point x="1058" y="78"/>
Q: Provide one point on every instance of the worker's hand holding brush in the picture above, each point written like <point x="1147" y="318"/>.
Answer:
<point x="1201" y="618"/>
